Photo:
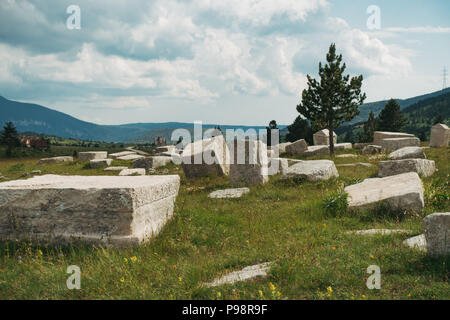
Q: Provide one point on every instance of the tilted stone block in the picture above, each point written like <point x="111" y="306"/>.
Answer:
<point x="408" y="153"/>
<point x="312" y="170"/>
<point x="423" y="167"/>
<point x="403" y="191"/>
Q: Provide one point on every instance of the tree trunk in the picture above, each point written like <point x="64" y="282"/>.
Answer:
<point x="331" y="139"/>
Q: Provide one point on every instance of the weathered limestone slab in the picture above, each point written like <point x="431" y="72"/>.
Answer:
<point x="371" y="149"/>
<point x="297" y="148"/>
<point x="418" y="242"/>
<point x="91" y="155"/>
<point x="131" y="157"/>
<point x="342" y="146"/>
<point x="440" y="136"/>
<point x="110" y="210"/>
<point x="403" y="191"/>
<point x="249" y="165"/>
<point x="322" y="137"/>
<point x="229" y="193"/>
<point x="408" y="153"/>
<point x="317" y="151"/>
<point x="312" y="170"/>
<point x="151" y="162"/>
<point x="206" y="157"/>
<point x="132" y="172"/>
<point x="398" y="143"/>
<point x="437" y="233"/>
<point x="423" y="167"/>
<point x="347" y="155"/>
<point x="56" y="160"/>
<point x="36" y="172"/>
<point x="115" y="168"/>
<point x="121" y="154"/>
<point x="97" y="163"/>
<point x="356" y="164"/>
<point x="259" y="270"/>
<point x="277" y="165"/>
<point x="370" y="232"/>
<point x="378" y="136"/>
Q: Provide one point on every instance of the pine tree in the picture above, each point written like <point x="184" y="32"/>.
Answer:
<point x="300" y="129"/>
<point x="9" y="137"/>
<point x="335" y="98"/>
<point x="369" y="127"/>
<point x="391" y="117"/>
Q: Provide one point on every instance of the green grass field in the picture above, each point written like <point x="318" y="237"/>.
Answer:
<point x="282" y="221"/>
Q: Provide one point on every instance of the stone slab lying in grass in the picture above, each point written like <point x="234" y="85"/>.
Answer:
<point x="317" y="151"/>
<point x="251" y="272"/>
<point x="132" y="172"/>
<point x="356" y="164"/>
<point x="312" y="170"/>
<point x="423" y="167"/>
<point x="121" y="154"/>
<point x="229" y="193"/>
<point x="95" y="209"/>
<point x="347" y="155"/>
<point x="403" y="192"/>
<point x="342" y="146"/>
<point x="97" y="163"/>
<point x="418" y="242"/>
<point x="380" y="231"/>
<point x="398" y="143"/>
<point x="437" y="233"/>
<point x="131" y="157"/>
<point x="378" y="136"/>
<point x="91" y="155"/>
<point x="408" y="153"/>
<point x="115" y="168"/>
<point x="56" y="159"/>
<point x="151" y="162"/>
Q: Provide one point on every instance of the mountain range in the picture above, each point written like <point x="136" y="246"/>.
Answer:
<point x="29" y="117"/>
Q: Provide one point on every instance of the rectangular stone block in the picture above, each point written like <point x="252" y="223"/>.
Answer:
<point x="56" y="159"/>
<point x="378" y="136"/>
<point x="107" y="210"/>
<point x="403" y="191"/>
<point x="90" y="155"/>
<point x="423" y="167"/>
<point x="439" y="136"/>
<point x="393" y="144"/>
<point x="322" y="137"/>
<point x="97" y="163"/>
<point x="206" y="157"/>
<point x="437" y="233"/>
<point x="121" y="154"/>
<point x="249" y="165"/>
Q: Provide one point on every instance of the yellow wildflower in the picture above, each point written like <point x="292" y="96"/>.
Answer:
<point x="125" y="260"/>
<point x="180" y="279"/>
<point x="372" y="257"/>
<point x="333" y="248"/>
<point x="134" y="258"/>
<point x="278" y="294"/>
<point x="122" y="279"/>
<point x="260" y="293"/>
<point x="329" y="290"/>
<point x="219" y="294"/>
<point x="271" y="286"/>
<point x="40" y="252"/>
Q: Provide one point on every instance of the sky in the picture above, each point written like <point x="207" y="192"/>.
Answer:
<point x="241" y="62"/>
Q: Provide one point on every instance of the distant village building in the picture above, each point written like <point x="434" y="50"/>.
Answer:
<point x="159" y="141"/>
<point x="34" y="142"/>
